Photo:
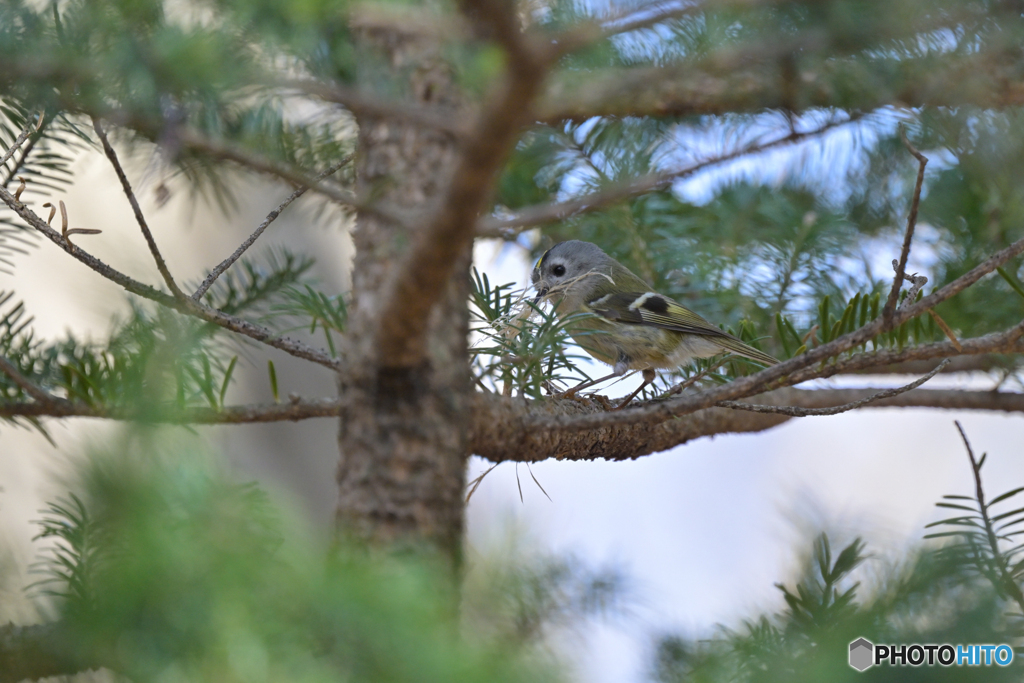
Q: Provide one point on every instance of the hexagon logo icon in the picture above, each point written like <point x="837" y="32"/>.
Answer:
<point x="862" y="653"/>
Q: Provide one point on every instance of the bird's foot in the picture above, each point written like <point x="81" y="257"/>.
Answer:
<point x="573" y="396"/>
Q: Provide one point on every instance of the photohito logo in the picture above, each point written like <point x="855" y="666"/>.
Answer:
<point x="865" y="654"/>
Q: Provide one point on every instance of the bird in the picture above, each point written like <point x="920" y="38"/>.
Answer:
<point x="629" y="327"/>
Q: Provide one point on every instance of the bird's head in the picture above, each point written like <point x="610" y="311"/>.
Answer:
<point x="571" y="271"/>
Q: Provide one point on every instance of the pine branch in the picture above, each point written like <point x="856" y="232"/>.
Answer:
<point x="18" y="142"/>
<point x="1004" y="582"/>
<point x="185" y="305"/>
<point x="42" y="397"/>
<point x="544" y="214"/>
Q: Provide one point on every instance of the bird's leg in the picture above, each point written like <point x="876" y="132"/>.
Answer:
<point x="621" y="366"/>
<point x="649" y="376"/>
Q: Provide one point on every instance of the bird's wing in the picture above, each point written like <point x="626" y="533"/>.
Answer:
<point x="656" y="310"/>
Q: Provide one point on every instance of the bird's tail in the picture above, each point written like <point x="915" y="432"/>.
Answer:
<point x="745" y="350"/>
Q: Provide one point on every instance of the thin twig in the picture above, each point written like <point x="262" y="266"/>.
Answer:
<point x="543" y="214"/>
<point x="185" y="305"/>
<point x="18" y="142"/>
<point x="226" y="263"/>
<point x="901" y="266"/>
<point x="1009" y="585"/>
<point x="530" y="470"/>
<point x="161" y="265"/>
<point x="794" y="411"/>
<point x="9" y="369"/>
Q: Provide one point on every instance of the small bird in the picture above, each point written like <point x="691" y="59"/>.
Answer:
<point x="632" y="328"/>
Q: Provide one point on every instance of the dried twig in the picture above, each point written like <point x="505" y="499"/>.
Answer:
<point x="901" y="265"/>
<point x="794" y="411"/>
<point x="945" y="329"/>
<point x="137" y="210"/>
<point x="916" y="283"/>
<point x="475" y="484"/>
<point x="226" y="263"/>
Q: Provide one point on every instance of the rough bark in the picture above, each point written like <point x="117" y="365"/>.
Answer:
<point x="402" y="439"/>
<point x="506" y="429"/>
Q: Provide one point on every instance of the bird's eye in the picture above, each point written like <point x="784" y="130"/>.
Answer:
<point x="558" y="270"/>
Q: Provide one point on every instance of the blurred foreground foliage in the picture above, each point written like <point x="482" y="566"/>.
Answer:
<point x="166" y="571"/>
<point x="163" y="569"/>
<point x="965" y="591"/>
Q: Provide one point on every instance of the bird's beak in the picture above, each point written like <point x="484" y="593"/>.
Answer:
<point x="541" y="293"/>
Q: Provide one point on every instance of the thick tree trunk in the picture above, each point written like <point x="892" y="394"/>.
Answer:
<point x="404" y="431"/>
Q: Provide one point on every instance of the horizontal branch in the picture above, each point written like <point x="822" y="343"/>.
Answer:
<point x="291" y="411"/>
<point x="543" y="214"/>
<point x="185" y="305"/>
<point x="985" y="79"/>
<point x="976" y="355"/>
<point x="796" y="411"/>
<point x="982" y="362"/>
<point x="8" y="368"/>
<point x="503" y="428"/>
